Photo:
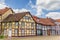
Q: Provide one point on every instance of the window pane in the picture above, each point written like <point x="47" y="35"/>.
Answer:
<point x="22" y="23"/>
<point x="32" y="31"/>
<point x="5" y="32"/>
<point x="38" y="32"/>
<point x="16" y="23"/>
<point x="32" y="24"/>
<point x="53" y="32"/>
<point x="5" y="24"/>
<point x="39" y="27"/>
<point x="27" y="24"/>
<point x="44" y="32"/>
<point x="16" y="31"/>
<point x="27" y="17"/>
<point x="10" y="24"/>
<point x="53" y="27"/>
<point x="59" y="32"/>
<point x="23" y="31"/>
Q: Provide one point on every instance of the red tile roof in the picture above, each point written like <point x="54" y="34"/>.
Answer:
<point x="47" y="21"/>
<point x="57" y="20"/>
<point x="36" y="18"/>
<point x="2" y="11"/>
<point x="44" y="21"/>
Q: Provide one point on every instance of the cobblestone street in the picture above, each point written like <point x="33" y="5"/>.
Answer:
<point x="35" y="38"/>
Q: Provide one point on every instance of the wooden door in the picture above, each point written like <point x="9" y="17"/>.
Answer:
<point x="48" y="32"/>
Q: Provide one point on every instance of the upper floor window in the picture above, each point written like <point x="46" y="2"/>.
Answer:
<point x="10" y="24"/>
<point x="39" y="26"/>
<point x="22" y="23"/>
<point x="32" y="24"/>
<point x="43" y="27"/>
<point x="48" y="27"/>
<point x="4" y="24"/>
<point x="16" y="23"/>
<point x="26" y="17"/>
<point x="28" y="24"/>
<point x="54" y="28"/>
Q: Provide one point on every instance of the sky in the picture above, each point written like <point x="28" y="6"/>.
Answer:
<point x="40" y="8"/>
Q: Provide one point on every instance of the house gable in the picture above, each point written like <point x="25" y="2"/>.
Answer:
<point x="27" y="18"/>
<point x="5" y="12"/>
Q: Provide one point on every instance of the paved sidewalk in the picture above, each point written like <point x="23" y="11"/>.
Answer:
<point x="36" y="38"/>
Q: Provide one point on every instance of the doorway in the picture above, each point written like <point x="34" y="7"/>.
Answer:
<point x="5" y="32"/>
<point x="48" y="32"/>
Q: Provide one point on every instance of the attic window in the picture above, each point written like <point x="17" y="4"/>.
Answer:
<point x="27" y="17"/>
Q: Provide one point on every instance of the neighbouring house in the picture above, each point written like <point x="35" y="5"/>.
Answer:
<point x="21" y="24"/>
<point x="57" y="22"/>
<point x="45" y="26"/>
<point x="3" y="14"/>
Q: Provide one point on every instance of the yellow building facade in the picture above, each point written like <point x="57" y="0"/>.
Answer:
<point x="3" y="14"/>
<point x="24" y="27"/>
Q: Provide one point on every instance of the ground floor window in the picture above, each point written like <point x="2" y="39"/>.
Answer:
<point x="32" y="32"/>
<point x="53" y="32"/>
<point x="27" y="32"/>
<point x="22" y="32"/>
<point x="16" y="32"/>
<point x="44" y="32"/>
<point x="58" y="32"/>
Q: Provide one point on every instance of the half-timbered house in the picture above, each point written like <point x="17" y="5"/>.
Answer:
<point x="21" y="24"/>
<point x="45" y="26"/>
<point x="3" y="14"/>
